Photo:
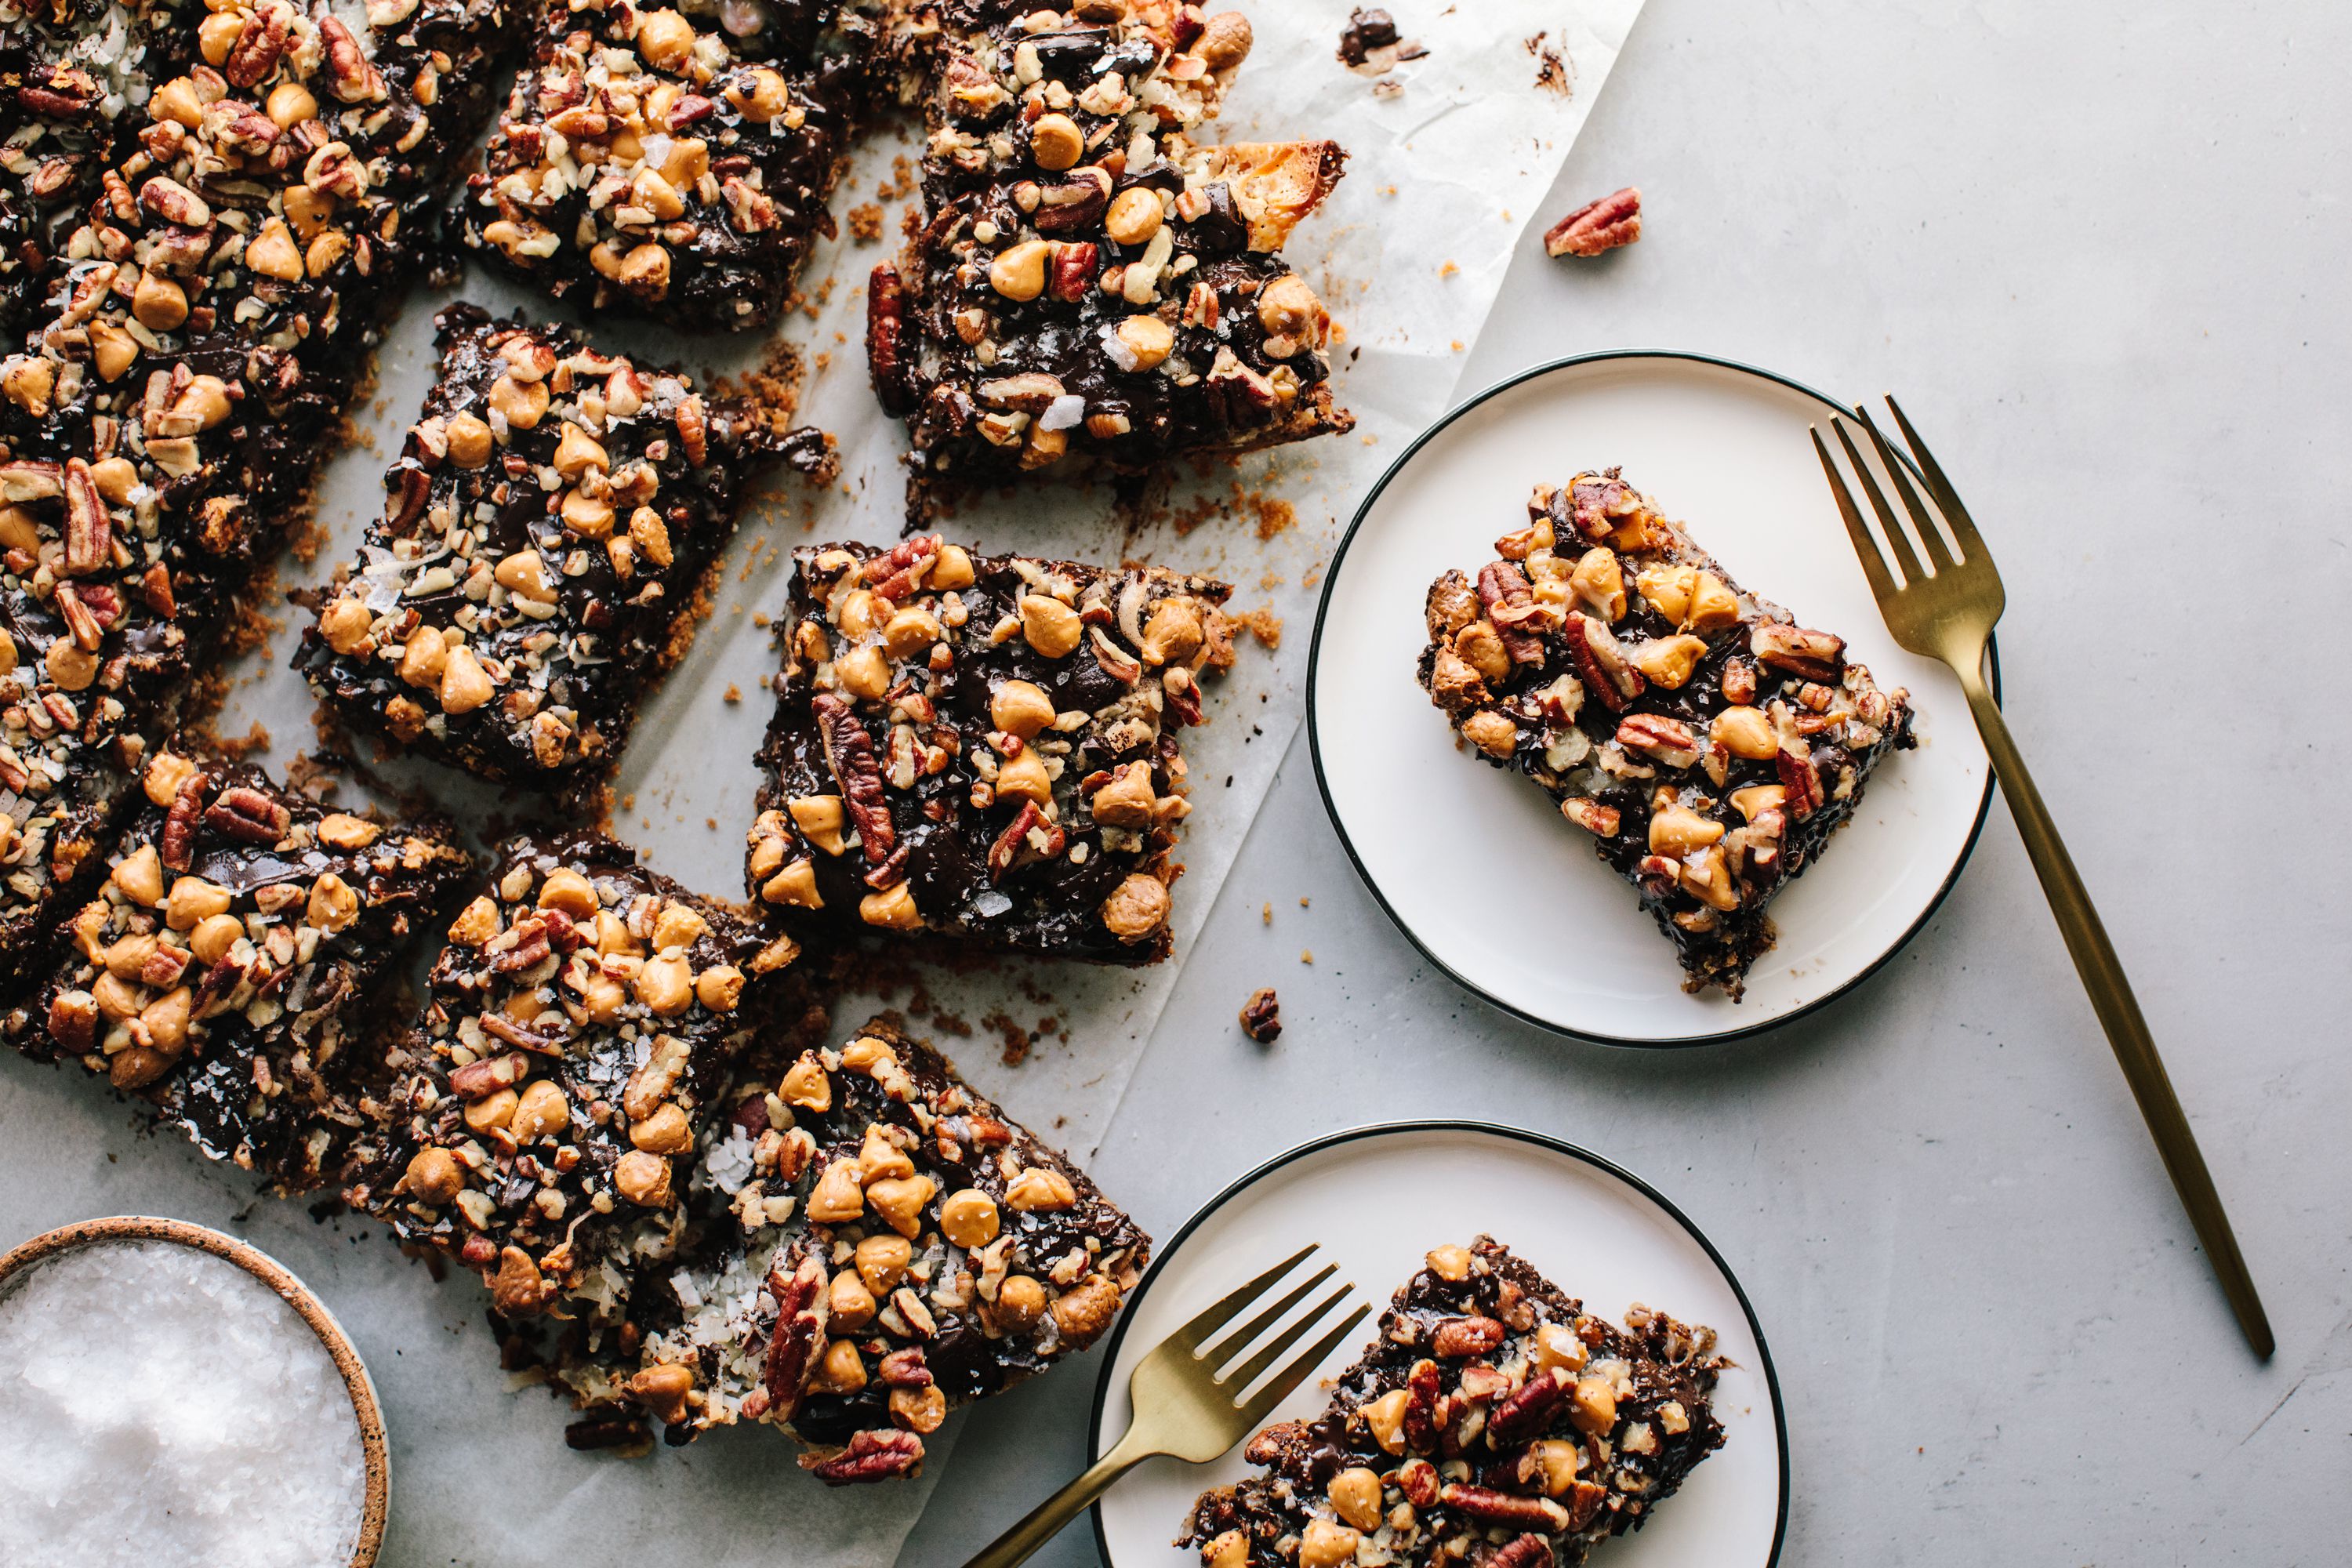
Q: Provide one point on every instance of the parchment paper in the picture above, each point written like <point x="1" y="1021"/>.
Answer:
<point x="1445" y="162"/>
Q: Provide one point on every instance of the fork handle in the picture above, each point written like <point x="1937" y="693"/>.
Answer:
<point x="2111" y="998"/>
<point x="1046" y="1520"/>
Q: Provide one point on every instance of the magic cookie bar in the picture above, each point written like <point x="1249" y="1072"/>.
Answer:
<point x="1090" y="283"/>
<point x="1493" y="1422"/>
<point x="224" y="970"/>
<point x="545" y="531"/>
<point x="549" y="1101"/>
<point x="673" y="161"/>
<point x="1709" y="744"/>
<point x="984" y="746"/>
<point x="884" y="1245"/>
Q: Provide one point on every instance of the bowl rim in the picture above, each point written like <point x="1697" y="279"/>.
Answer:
<point x="374" y="1455"/>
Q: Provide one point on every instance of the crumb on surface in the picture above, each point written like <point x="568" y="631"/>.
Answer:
<point x="1261" y="1016"/>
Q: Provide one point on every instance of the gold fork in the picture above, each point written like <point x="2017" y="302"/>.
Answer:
<point x="1184" y="1407"/>
<point x="1946" y="610"/>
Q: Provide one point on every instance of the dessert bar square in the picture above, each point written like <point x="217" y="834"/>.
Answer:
<point x="1493" y="1420"/>
<point x="545" y="534"/>
<point x="1091" y="284"/>
<point x="650" y="165"/>
<point x="882" y="1244"/>
<point x="1709" y="744"/>
<point x="225" y="970"/>
<point x="550" y="1101"/>
<point x="984" y="746"/>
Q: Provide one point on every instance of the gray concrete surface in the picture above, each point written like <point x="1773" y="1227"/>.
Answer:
<point x="2097" y="250"/>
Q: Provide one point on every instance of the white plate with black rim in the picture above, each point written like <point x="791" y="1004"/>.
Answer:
<point x="1473" y="863"/>
<point x="1375" y="1200"/>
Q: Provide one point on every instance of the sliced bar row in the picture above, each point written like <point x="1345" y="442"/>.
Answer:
<point x="600" y="1112"/>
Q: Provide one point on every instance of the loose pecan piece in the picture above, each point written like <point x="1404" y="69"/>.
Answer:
<point x="1612" y="221"/>
<point x="89" y="533"/>
<point x="1262" y="1017"/>
<point x="1012" y="843"/>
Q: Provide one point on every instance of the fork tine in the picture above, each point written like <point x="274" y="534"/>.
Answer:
<point x="1929" y="534"/>
<point x="1232" y="1345"/>
<point x="1964" y="528"/>
<point x="1209" y="1319"/>
<point x="1896" y="538"/>
<point x="1241" y="1376"/>
<point x="1291" y="1376"/>
<point x="1874" y="565"/>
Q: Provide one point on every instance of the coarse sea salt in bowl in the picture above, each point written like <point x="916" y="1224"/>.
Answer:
<point x="170" y="1395"/>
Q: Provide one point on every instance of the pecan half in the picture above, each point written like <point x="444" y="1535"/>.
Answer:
<point x="1612" y="221"/>
<point x="1663" y="738"/>
<point x="1467" y="1336"/>
<point x="1816" y="656"/>
<point x="1584" y="1499"/>
<point x="893" y="576"/>
<point x="1526" y="1551"/>
<point x="478" y="1080"/>
<point x="1503" y="590"/>
<point x="1601" y="659"/>
<point x="546" y="1043"/>
<point x="405" y="504"/>
<point x="355" y="80"/>
<point x="1800" y="779"/>
<point x="1527" y="1412"/>
<point x="178" y="848"/>
<point x="801" y="1312"/>
<point x="1074" y="204"/>
<point x="1074" y="271"/>
<point x="1597" y="503"/>
<point x="1595" y="818"/>
<point x="1505" y="1508"/>
<point x="885" y="322"/>
<point x="1421" y="1406"/>
<point x="89" y="533"/>
<point x="849" y="754"/>
<point x="258" y="47"/>
<point x="871" y="1457"/>
<point x="247" y="816"/>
